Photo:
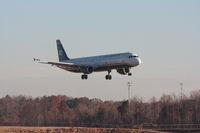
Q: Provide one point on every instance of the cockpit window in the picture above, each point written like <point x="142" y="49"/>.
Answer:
<point x="133" y="56"/>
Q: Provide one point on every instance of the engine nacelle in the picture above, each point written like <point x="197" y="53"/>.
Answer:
<point x="87" y="70"/>
<point x="123" y="71"/>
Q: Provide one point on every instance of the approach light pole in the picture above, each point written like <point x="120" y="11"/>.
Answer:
<point x="181" y="85"/>
<point x="129" y="84"/>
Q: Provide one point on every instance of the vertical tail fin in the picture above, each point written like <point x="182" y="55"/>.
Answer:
<point x="61" y="52"/>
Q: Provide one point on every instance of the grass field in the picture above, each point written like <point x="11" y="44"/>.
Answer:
<point x="11" y="129"/>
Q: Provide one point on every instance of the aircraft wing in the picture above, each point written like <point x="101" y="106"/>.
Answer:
<point x="62" y="64"/>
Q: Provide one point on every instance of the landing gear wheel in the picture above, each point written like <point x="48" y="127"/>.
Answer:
<point x="108" y="77"/>
<point x="129" y="74"/>
<point x="84" y="76"/>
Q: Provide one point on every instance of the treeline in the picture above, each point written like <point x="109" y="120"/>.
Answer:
<point x="67" y="111"/>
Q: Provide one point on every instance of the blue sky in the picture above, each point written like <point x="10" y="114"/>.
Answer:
<point x="165" y="34"/>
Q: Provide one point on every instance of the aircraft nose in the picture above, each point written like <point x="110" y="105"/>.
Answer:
<point x="139" y="61"/>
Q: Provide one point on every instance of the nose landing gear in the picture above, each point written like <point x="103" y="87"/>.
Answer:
<point x="129" y="74"/>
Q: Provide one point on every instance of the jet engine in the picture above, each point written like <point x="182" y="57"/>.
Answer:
<point x="87" y="70"/>
<point x="123" y="71"/>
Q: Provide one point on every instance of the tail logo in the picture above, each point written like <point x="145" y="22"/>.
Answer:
<point x="60" y="52"/>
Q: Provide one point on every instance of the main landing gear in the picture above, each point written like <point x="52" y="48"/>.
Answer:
<point x="108" y="77"/>
<point x="84" y="76"/>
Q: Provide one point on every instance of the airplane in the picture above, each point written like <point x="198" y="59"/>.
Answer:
<point x="122" y="62"/>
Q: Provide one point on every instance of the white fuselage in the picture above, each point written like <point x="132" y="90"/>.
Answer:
<point x="104" y="62"/>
